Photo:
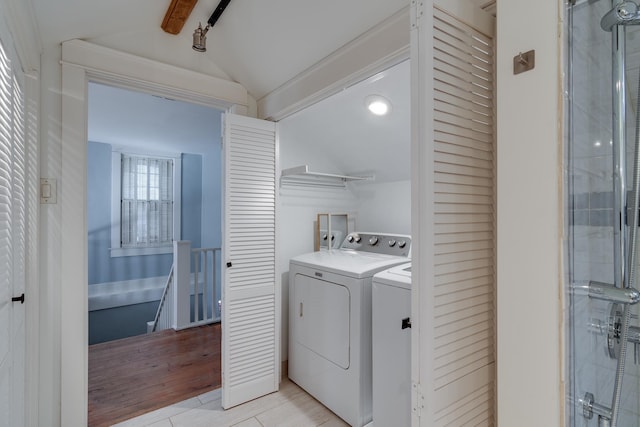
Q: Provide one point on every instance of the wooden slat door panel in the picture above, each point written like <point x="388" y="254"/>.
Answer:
<point x="250" y="350"/>
<point x="464" y="330"/>
<point x="454" y="262"/>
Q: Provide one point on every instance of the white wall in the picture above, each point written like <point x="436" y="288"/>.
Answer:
<point x="371" y="206"/>
<point x="384" y="207"/>
<point x="50" y="238"/>
<point x="530" y="293"/>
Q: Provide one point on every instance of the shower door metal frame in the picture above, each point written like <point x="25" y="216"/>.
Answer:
<point x="624" y="247"/>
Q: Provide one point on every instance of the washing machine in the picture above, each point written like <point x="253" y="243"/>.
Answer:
<point x="330" y="320"/>
<point x="391" y="340"/>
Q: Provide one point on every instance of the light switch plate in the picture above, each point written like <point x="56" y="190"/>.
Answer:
<point x="48" y="191"/>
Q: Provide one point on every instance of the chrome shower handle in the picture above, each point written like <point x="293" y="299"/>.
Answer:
<point x="611" y="293"/>
<point x="625" y="13"/>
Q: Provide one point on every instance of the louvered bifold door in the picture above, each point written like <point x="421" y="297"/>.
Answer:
<point x="13" y="235"/>
<point x="464" y="217"/>
<point x="250" y="334"/>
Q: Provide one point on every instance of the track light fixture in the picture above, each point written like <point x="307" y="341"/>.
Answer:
<point x="200" y="38"/>
<point x="200" y="34"/>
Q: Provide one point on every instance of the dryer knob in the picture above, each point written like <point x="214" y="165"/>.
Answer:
<point x="402" y="244"/>
<point x="358" y="239"/>
<point x="324" y="237"/>
<point x="373" y="241"/>
<point x="350" y="238"/>
<point x="392" y="243"/>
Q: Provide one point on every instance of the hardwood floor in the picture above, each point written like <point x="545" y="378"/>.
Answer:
<point x="136" y="375"/>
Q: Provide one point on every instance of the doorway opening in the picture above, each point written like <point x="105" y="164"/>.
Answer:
<point x="153" y="197"/>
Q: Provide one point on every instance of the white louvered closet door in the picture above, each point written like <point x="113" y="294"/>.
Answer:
<point x="457" y="314"/>
<point x="13" y="242"/>
<point x="250" y="304"/>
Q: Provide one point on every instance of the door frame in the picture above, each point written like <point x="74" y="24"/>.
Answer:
<point x="83" y="62"/>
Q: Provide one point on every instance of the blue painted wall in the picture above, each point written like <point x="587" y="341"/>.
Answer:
<point x="212" y="198"/>
<point x="120" y="322"/>
<point x="212" y="207"/>
<point x="191" y="208"/>
<point x="102" y="268"/>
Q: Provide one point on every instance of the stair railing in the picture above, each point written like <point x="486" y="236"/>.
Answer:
<point x="189" y="299"/>
<point x="205" y="296"/>
<point x="164" y="314"/>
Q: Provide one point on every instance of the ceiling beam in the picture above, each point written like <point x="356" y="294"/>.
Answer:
<point x="177" y="14"/>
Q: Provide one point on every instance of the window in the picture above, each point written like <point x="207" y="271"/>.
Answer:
<point x="145" y="204"/>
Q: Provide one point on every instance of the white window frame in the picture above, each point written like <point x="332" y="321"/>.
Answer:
<point x="116" y="189"/>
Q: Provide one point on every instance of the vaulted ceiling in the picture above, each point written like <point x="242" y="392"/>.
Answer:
<point x="260" y="44"/>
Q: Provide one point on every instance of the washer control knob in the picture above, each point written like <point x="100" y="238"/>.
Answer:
<point x="392" y="243"/>
<point x="358" y="238"/>
<point x="373" y="240"/>
<point x="324" y="237"/>
<point x="402" y="244"/>
<point x="350" y="238"/>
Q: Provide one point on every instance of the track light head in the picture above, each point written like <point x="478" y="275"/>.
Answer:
<point x="200" y="38"/>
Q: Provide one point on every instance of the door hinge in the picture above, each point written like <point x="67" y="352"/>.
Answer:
<point x="416" y="13"/>
<point x="417" y="399"/>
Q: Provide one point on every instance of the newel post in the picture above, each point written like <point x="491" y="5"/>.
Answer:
<point x="182" y="273"/>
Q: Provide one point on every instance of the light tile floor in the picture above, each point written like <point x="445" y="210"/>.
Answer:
<point x="291" y="406"/>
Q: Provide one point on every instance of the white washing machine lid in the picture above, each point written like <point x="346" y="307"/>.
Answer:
<point x="348" y="262"/>
<point x="398" y="276"/>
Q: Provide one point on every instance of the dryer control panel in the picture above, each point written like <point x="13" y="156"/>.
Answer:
<point x="379" y="243"/>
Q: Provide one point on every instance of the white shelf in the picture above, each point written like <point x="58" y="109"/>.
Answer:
<point x="301" y="175"/>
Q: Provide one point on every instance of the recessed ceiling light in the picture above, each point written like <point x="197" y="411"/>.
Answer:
<point x="378" y="105"/>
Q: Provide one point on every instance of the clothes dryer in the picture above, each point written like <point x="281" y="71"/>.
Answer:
<point x="330" y="320"/>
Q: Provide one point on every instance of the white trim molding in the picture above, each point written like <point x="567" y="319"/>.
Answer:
<point x="146" y="74"/>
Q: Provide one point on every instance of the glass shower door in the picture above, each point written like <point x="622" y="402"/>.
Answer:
<point x="594" y="168"/>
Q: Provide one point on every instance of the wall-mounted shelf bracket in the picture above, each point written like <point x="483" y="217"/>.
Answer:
<point x="302" y="176"/>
